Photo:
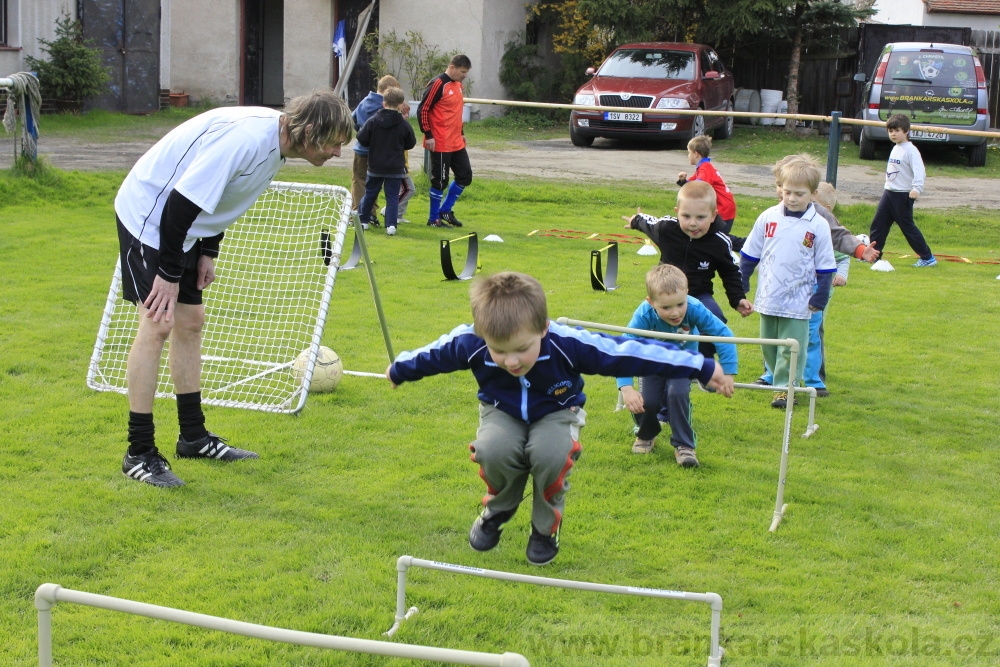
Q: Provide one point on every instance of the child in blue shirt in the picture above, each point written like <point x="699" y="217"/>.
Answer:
<point x="669" y="309"/>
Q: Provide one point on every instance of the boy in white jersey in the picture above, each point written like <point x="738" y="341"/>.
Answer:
<point x="904" y="182"/>
<point x="172" y="210"/>
<point x="791" y="243"/>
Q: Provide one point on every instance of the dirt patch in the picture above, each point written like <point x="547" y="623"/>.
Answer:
<point x="558" y="159"/>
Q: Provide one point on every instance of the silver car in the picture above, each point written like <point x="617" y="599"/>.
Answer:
<point x="933" y="84"/>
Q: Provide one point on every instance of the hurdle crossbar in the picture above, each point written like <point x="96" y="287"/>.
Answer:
<point x="779" y="504"/>
<point x="47" y="595"/>
<point x="403" y="563"/>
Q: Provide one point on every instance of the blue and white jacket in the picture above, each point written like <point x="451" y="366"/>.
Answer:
<point x="554" y="383"/>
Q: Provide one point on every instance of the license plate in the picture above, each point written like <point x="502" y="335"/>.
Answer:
<point x="617" y="115"/>
<point x="929" y="136"/>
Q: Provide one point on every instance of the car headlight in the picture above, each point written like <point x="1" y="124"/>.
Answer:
<point x="672" y="103"/>
<point x="584" y="100"/>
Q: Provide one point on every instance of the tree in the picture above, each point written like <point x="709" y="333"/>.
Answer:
<point x="73" y="71"/>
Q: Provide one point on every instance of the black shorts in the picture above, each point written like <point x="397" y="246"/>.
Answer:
<point x="139" y="265"/>
<point x="457" y="162"/>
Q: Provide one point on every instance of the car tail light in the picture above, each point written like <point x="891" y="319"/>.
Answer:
<point x="980" y="81"/>
<point x="880" y="72"/>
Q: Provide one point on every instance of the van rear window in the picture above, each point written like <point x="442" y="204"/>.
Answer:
<point x="931" y="87"/>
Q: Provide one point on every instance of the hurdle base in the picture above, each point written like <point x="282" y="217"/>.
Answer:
<point x="778" y="516"/>
<point x="399" y="621"/>
<point x="714" y="661"/>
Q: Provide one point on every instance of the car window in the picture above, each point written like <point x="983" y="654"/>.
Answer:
<point x="649" y="64"/>
<point x="706" y="64"/>
<point x="930" y="87"/>
<point x="716" y="62"/>
<point x="931" y="68"/>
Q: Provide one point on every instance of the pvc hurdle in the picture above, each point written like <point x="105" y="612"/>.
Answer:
<point x="471" y="258"/>
<point x="608" y="280"/>
<point x="779" y="505"/>
<point x="403" y="563"/>
<point x="47" y="595"/>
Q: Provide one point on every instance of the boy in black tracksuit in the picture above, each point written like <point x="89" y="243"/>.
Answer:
<point x="695" y="243"/>
<point x="388" y="136"/>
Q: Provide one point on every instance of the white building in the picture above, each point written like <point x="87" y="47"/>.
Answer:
<point x="975" y="14"/>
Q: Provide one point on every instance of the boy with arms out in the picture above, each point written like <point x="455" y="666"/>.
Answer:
<point x="698" y="149"/>
<point x="531" y="397"/>
<point x="388" y="136"/>
<point x="669" y="309"/>
<point x="791" y="244"/>
<point x="904" y="181"/>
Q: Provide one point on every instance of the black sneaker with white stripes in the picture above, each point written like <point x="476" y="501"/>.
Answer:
<point x="449" y="218"/>
<point x="487" y="528"/>
<point x="211" y="447"/>
<point x="150" y="468"/>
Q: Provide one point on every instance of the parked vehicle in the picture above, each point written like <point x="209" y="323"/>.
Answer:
<point x="653" y="78"/>
<point x="934" y="84"/>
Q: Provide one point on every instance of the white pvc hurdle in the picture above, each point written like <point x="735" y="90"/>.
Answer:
<point x="779" y="504"/>
<point x="47" y="595"/>
<point x="403" y="563"/>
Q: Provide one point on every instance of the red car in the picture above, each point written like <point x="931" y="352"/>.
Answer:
<point x="653" y="78"/>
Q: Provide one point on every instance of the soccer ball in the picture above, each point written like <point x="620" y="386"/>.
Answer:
<point x="327" y="372"/>
<point x="865" y="241"/>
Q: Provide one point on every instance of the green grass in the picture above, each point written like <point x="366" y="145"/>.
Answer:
<point x="887" y="555"/>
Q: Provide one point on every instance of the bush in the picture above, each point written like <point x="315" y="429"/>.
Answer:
<point x="73" y="71"/>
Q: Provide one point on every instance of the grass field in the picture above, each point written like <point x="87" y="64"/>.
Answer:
<point x="887" y="555"/>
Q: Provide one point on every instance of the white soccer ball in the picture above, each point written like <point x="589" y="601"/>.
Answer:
<point x="327" y="372"/>
<point x="865" y="241"/>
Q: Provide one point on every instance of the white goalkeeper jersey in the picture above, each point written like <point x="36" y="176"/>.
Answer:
<point x="791" y="251"/>
<point x="221" y="160"/>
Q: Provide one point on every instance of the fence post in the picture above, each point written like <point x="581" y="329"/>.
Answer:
<point x="833" y="149"/>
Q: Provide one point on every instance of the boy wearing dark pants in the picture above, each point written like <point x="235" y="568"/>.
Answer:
<point x="365" y="109"/>
<point x="387" y="135"/>
<point x="529" y="372"/>
<point x="669" y="309"/>
<point x="904" y="181"/>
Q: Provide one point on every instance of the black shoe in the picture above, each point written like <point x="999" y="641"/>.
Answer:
<point x="542" y="549"/>
<point x="435" y="223"/>
<point x="486" y="530"/>
<point x="374" y="220"/>
<point x="150" y="468"/>
<point x="211" y="447"/>
<point x="449" y="218"/>
<point x="762" y="381"/>
<point x="822" y="392"/>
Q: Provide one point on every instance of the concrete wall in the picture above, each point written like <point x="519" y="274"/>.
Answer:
<point x="204" y="50"/>
<point x="914" y="12"/>
<point x="29" y="20"/>
<point x="308" y="46"/>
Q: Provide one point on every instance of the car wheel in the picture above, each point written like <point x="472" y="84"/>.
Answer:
<point x="977" y="155"/>
<point x="856" y="129"/>
<point x="578" y="139"/>
<point x="697" y="126"/>
<point x="867" y="147"/>
<point x="726" y="129"/>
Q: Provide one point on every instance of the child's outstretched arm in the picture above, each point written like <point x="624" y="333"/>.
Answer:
<point x="628" y="218"/>
<point x="721" y="383"/>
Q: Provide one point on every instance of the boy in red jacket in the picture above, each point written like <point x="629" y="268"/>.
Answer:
<point x="698" y="149"/>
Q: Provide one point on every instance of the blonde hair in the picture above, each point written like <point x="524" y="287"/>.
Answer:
<point x="392" y="98"/>
<point x="826" y="195"/>
<point x="665" y="279"/>
<point x="702" y="145"/>
<point x="506" y="303"/>
<point x="386" y="82"/>
<point x="698" y="191"/>
<point x="317" y="120"/>
<point x="801" y="169"/>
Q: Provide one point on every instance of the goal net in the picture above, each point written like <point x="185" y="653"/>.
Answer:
<point x="267" y="306"/>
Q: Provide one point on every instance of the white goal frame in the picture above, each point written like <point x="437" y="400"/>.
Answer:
<point x="269" y="303"/>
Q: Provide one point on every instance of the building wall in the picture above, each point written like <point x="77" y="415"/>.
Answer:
<point x="308" y="46"/>
<point x="205" y="50"/>
<point x="914" y="12"/>
<point x="29" y="21"/>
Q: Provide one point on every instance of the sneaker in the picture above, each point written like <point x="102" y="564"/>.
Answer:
<point x="781" y="400"/>
<point x="542" y="549"/>
<point x="150" y="468"/>
<point x="822" y="392"/>
<point x="435" y="223"/>
<point x="364" y="226"/>
<point x="926" y="262"/>
<point x="374" y="221"/>
<point x="381" y="211"/>
<point x="641" y="446"/>
<point x="390" y="231"/>
<point x="449" y="217"/>
<point x="685" y="457"/>
<point x="211" y="447"/>
<point x="762" y="381"/>
<point x="402" y="220"/>
<point x="486" y="530"/>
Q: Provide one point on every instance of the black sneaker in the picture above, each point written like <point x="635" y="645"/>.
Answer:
<point x="485" y="532"/>
<point x="211" y="447"/>
<point x="542" y="549"/>
<point x="449" y="218"/>
<point x="150" y="468"/>
<point x="374" y="220"/>
<point x="435" y="223"/>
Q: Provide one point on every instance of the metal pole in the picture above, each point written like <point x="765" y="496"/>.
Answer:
<point x="360" y="234"/>
<point x="833" y="149"/>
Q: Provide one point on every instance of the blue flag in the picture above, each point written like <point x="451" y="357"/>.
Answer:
<point x="339" y="40"/>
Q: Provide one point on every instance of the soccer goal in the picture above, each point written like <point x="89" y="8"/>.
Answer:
<point x="268" y="305"/>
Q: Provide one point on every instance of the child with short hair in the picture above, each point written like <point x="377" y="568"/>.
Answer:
<point x="531" y="397"/>
<point x="791" y="243"/>
<point x="698" y="149"/>
<point x="388" y="136"/>
<point x="904" y="182"/>
<point x="669" y="309"/>
<point x="365" y="109"/>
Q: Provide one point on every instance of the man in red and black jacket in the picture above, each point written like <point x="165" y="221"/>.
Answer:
<point x="440" y="117"/>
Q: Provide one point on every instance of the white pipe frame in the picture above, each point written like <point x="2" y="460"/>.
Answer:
<point x="779" y="504"/>
<point x="47" y="595"/>
<point x="403" y="563"/>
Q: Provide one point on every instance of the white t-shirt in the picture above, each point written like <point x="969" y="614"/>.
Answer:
<point x="221" y="160"/>
<point x="791" y="251"/>
<point x="905" y="169"/>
